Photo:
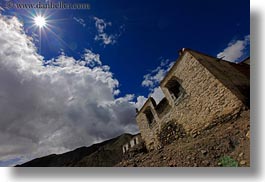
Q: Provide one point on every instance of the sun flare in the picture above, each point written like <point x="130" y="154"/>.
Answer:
<point x="40" y="21"/>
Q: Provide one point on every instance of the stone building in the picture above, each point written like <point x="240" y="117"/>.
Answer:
<point x="200" y="91"/>
<point x="136" y="140"/>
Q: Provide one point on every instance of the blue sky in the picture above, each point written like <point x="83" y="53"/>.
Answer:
<point x="146" y="32"/>
<point x="88" y="69"/>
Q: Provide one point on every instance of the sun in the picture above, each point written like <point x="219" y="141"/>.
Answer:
<point x="40" y="21"/>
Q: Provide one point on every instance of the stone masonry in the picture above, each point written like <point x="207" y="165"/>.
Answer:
<point x="200" y="91"/>
<point x="136" y="140"/>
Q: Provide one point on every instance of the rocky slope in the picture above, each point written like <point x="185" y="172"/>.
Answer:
<point x="226" y="144"/>
<point x="107" y="154"/>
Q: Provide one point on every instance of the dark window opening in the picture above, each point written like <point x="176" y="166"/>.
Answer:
<point x="163" y="107"/>
<point x="175" y="89"/>
<point x="149" y="116"/>
<point x="135" y="142"/>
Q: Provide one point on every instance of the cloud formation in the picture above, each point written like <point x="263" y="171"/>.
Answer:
<point x="156" y="93"/>
<point x="92" y="59"/>
<point x="101" y="26"/>
<point x="52" y="106"/>
<point x="80" y="21"/>
<point x="152" y="81"/>
<point x="235" y="50"/>
<point x="1" y="9"/>
<point x="153" y="78"/>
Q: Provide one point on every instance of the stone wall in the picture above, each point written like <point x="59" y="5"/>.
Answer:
<point x="149" y="132"/>
<point x="205" y="102"/>
<point x="136" y="140"/>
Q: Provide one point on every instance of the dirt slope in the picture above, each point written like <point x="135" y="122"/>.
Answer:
<point x="227" y="140"/>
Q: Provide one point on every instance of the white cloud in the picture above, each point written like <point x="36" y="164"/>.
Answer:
<point x="152" y="81"/>
<point x="101" y="25"/>
<point x="235" y="50"/>
<point x="55" y="107"/>
<point x="157" y="94"/>
<point x="153" y="78"/>
<point x="140" y="102"/>
<point x="91" y="58"/>
<point x="1" y="9"/>
<point x="102" y="36"/>
<point x="106" y="39"/>
<point x="80" y="21"/>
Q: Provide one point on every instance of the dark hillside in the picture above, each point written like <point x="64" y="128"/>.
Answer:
<point x="107" y="153"/>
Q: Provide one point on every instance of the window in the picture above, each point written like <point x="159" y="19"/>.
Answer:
<point x="163" y="107"/>
<point x="149" y="115"/>
<point x="124" y="149"/>
<point x="135" y="142"/>
<point x="175" y="89"/>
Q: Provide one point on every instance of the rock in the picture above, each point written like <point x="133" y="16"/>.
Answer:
<point x="219" y="164"/>
<point x="203" y="152"/>
<point x="248" y="135"/>
<point x="241" y="154"/>
<point x="243" y="162"/>
<point x="165" y="158"/>
<point x="206" y="162"/>
<point x="206" y="125"/>
<point x="172" y="163"/>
